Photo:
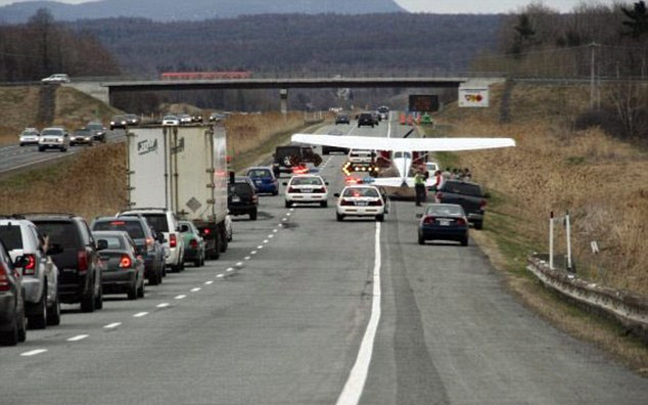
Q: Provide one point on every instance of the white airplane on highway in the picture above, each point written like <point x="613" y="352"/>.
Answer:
<point x="402" y="149"/>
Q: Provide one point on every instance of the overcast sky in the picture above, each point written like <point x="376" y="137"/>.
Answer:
<point x="455" y="6"/>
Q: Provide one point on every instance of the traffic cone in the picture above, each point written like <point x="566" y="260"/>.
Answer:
<point x="402" y="119"/>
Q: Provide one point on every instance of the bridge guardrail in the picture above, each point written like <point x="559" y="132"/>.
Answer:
<point x="630" y="310"/>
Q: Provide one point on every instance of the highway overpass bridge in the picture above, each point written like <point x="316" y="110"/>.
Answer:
<point x="107" y="90"/>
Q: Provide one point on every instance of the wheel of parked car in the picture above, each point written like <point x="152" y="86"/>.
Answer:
<point x="99" y="299"/>
<point x="88" y="301"/>
<point x="140" y="291"/>
<point x="54" y="312"/>
<point x="38" y="319"/>
<point x="133" y="291"/>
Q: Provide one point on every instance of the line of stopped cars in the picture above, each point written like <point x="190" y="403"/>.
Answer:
<point x="50" y="259"/>
<point x="58" y="137"/>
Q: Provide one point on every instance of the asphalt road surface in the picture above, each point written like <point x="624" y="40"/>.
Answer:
<point x="14" y="157"/>
<point x="303" y="309"/>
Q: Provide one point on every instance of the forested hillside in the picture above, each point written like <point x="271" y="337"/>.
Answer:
<point x="190" y="10"/>
<point x="280" y="44"/>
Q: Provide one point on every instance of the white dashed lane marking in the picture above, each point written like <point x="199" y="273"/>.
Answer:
<point x="220" y="276"/>
<point x="33" y="352"/>
<point x="180" y="297"/>
<point x="140" y="314"/>
<point x="112" y="325"/>
<point x="209" y="282"/>
<point x="162" y="305"/>
<point x="77" y="338"/>
<point x="195" y="289"/>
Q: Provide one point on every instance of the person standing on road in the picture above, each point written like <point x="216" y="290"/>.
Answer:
<point x="419" y="187"/>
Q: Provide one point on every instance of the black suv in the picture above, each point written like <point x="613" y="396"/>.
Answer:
<point x="149" y="243"/>
<point x="242" y="197"/>
<point x="289" y="157"/>
<point x="79" y="279"/>
<point x="366" y="119"/>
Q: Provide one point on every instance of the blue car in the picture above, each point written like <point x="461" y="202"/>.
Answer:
<point x="264" y="179"/>
<point x="443" y="222"/>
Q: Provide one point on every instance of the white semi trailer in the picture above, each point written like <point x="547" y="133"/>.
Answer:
<point x="182" y="169"/>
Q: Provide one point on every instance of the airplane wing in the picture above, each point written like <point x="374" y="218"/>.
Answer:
<point x="396" y="181"/>
<point x="405" y="144"/>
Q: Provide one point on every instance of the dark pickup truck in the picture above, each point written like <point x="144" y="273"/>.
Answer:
<point x="468" y="195"/>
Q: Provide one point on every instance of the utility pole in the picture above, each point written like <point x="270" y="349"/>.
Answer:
<point x="593" y="46"/>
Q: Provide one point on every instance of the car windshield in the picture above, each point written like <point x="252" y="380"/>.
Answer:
<point x="56" y="132"/>
<point x="157" y="221"/>
<point x="240" y="189"/>
<point x="62" y="233"/>
<point x="30" y="132"/>
<point x="360" y="192"/>
<point x="11" y="236"/>
<point x="82" y="132"/>
<point x="133" y="228"/>
<point x="462" y="188"/>
<point x="112" y="241"/>
<point x="444" y="210"/>
<point x="306" y="181"/>
<point x="118" y="118"/>
<point x="259" y="173"/>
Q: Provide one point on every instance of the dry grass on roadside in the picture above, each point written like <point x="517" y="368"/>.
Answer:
<point x="94" y="183"/>
<point x="89" y="184"/>
<point x="601" y="181"/>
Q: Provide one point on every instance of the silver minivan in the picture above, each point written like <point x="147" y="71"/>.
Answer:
<point x="40" y="275"/>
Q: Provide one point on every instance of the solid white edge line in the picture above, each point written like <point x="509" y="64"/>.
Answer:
<point x="112" y="325"/>
<point x="33" y="352"/>
<point x="77" y="338"/>
<point x="357" y="378"/>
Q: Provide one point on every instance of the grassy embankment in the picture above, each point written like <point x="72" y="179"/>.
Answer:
<point x="601" y="181"/>
<point x="93" y="182"/>
<point x="21" y="108"/>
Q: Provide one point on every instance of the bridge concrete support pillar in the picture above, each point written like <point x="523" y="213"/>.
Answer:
<point x="283" y="96"/>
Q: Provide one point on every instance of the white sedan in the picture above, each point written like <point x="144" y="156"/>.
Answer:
<point x="170" y="121"/>
<point x="361" y="201"/>
<point x="306" y="188"/>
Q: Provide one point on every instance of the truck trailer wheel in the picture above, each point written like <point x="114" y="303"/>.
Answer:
<point x="214" y="254"/>
<point x="223" y="237"/>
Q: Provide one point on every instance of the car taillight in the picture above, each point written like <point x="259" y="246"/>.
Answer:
<point x="149" y="244"/>
<point x="30" y="266"/>
<point x="377" y="203"/>
<point x="173" y="240"/>
<point x="346" y="202"/>
<point x="460" y="221"/>
<point x="4" y="279"/>
<point x="428" y="220"/>
<point x="255" y="198"/>
<point x="82" y="261"/>
<point x="482" y="204"/>
<point x="292" y="189"/>
<point x="319" y="190"/>
<point x="194" y="244"/>
<point x="206" y="231"/>
<point x="125" y="262"/>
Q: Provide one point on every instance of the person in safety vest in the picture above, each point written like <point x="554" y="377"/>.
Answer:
<point x="419" y="187"/>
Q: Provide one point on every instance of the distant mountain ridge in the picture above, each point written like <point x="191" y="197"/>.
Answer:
<point x="190" y="10"/>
